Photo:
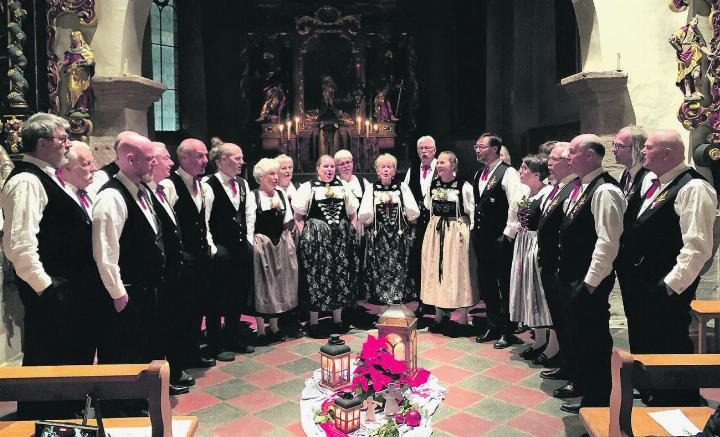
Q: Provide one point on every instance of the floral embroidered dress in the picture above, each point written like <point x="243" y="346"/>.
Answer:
<point x="386" y="211"/>
<point x="328" y="245"/>
<point x="449" y="268"/>
<point x="527" y="297"/>
<point x="276" y="265"/>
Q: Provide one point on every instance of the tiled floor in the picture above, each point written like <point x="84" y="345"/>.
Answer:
<point x="490" y="392"/>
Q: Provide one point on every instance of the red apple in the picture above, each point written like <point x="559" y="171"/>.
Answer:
<point x="413" y="418"/>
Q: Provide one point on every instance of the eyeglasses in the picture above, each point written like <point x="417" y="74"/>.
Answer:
<point x="62" y="139"/>
<point x="619" y="146"/>
<point x="556" y="159"/>
<point x="480" y="146"/>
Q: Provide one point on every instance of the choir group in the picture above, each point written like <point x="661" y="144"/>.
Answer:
<point x="128" y="262"/>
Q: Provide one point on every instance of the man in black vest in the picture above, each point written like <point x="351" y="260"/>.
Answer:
<point x="418" y="178"/>
<point x="627" y="145"/>
<point x="548" y="259"/>
<point x="129" y="251"/>
<point x="47" y="238"/>
<point x="667" y="244"/>
<point x="497" y="190"/>
<point x="588" y="243"/>
<point x="231" y="223"/>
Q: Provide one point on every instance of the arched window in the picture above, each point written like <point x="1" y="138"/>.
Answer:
<point x="163" y="27"/>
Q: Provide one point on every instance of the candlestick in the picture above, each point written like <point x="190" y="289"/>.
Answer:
<point x="289" y="124"/>
<point x="619" y="67"/>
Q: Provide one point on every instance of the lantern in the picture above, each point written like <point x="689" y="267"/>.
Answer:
<point x="398" y="325"/>
<point x="334" y="363"/>
<point x="347" y="413"/>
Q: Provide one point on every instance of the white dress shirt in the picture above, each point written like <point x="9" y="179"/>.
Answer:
<point x="366" y="214"/>
<point x="695" y="204"/>
<point x="204" y="192"/>
<point x="109" y="215"/>
<point x="235" y="200"/>
<point x="608" y="209"/>
<point x="23" y="201"/>
<point x="424" y="181"/>
<point x="304" y="194"/>
<point x="563" y="182"/>
<point x="513" y="191"/>
<point x="289" y="191"/>
<point x="164" y="202"/>
<point x="99" y="179"/>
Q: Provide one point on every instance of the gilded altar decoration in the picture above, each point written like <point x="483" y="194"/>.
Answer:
<point x="11" y="131"/>
<point x="274" y="100"/>
<point x="18" y="85"/>
<point x="79" y="68"/>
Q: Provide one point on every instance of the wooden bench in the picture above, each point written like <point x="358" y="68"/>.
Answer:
<point x="703" y="311"/>
<point x="110" y="381"/>
<point x="650" y="372"/>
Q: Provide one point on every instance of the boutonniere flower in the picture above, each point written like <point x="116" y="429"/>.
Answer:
<point x="523" y="203"/>
<point x="330" y="193"/>
<point x="275" y="204"/>
<point x="658" y="200"/>
<point x="441" y="195"/>
<point x="578" y="205"/>
<point x="492" y="182"/>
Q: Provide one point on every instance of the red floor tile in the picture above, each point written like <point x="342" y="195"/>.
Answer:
<point x="508" y="373"/>
<point x="276" y="357"/>
<point x="451" y="374"/>
<point x="250" y="424"/>
<point x="193" y="401"/>
<point x="463" y="424"/>
<point x="459" y="398"/>
<point x="441" y="354"/>
<point x="437" y="339"/>
<point x="267" y="377"/>
<point x="295" y="429"/>
<point x="211" y="377"/>
<point x="522" y="396"/>
<point x="537" y="424"/>
<point x="256" y="400"/>
<point x="489" y="353"/>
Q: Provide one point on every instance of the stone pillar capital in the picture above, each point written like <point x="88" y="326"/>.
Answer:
<point x="601" y="99"/>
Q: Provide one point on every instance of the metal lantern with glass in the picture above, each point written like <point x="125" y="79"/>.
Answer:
<point x="398" y="325"/>
<point x="334" y="363"/>
<point x="347" y="412"/>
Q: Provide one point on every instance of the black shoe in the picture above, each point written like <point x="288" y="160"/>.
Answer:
<point x="573" y="408"/>
<point x="225" y="356"/>
<point x="489" y="335"/>
<point x="243" y="348"/>
<point x="203" y="363"/>
<point x="555" y="374"/>
<point x="183" y="378"/>
<point x="568" y="390"/>
<point x="521" y="327"/>
<point x="530" y="354"/>
<point x="506" y="341"/>
<point x="341" y="327"/>
<point x="549" y="363"/>
<point x="294" y="332"/>
<point x="442" y="327"/>
<point x="314" y="331"/>
<point x="270" y="338"/>
<point x="176" y="390"/>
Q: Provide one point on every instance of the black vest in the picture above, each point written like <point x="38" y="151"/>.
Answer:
<point x="270" y="223"/>
<point x="142" y="253"/>
<point x="111" y="169"/>
<point x="491" y="208"/>
<point x="416" y="190"/>
<point x="190" y="221"/>
<point x="653" y="240"/>
<point x="577" y="233"/>
<point x="445" y="208"/>
<point x="549" y="229"/>
<point x="65" y="235"/>
<point x="635" y="200"/>
<point x="227" y="225"/>
<point x="172" y="239"/>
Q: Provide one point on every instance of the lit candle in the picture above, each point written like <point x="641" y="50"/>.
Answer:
<point x="282" y="128"/>
<point x="297" y="125"/>
<point x="289" y="123"/>
<point x="377" y="128"/>
<point x="359" y="127"/>
<point x="367" y="128"/>
<point x="619" y="66"/>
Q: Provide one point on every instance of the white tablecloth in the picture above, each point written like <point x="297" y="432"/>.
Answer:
<point x="427" y="397"/>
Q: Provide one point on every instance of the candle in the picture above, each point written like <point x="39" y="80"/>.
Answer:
<point x="289" y="123"/>
<point x="367" y="128"/>
<point x="282" y="128"/>
<point x="619" y="67"/>
<point x="297" y="125"/>
<point x="359" y="127"/>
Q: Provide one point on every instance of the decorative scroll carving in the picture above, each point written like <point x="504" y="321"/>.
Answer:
<point x="85" y="9"/>
<point x="11" y="130"/>
<point x="18" y="85"/>
<point x="328" y="19"/>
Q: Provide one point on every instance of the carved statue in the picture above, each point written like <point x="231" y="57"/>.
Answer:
<point x="689" y="46"/>
<point x="79" y="65"/>
<point x="328" y="91"/>
<point x="18" y="85"/>
<point x="383" y="107"/>
<point x="274" y="100"/>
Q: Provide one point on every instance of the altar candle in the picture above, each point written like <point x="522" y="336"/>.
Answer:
<point x="377" y="128"/>
<point x="618" y="67"/>
<point x="359" y="127"/>
<point x="297" y="125"/>
<point x="282" y="128"/>
<point x="367" y="128"/>
<point x="289" y="123"/>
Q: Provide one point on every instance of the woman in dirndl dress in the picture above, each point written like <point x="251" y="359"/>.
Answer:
<point x="527" y="297"/>
<point x="285" y="175"/>
<point x="276" y="267"/>
<point x="328" y="245"/>
<point x="449" y="269"/>
<point x="388" y="209"/>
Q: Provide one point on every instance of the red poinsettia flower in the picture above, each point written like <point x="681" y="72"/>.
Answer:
<point x="360" y="380"/>
<point x="390" y="364"/>
<point x="420" y="378"/>
<point x="379" y="379"/>
<point x="330" y="430"/>
<point x="325" y="407"/>
<point x="371" y="348"/>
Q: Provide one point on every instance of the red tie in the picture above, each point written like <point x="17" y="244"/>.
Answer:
<point x="233" y="186"/>
<point x="485" y="173"/>
<point x="653" y="188"/>
<point x="160" y="192"/>
<point x="83" y="196"/>
<point x="576" y="190"/>
<point x="141" y="198"/>
<point x="553" y="193"/>
<point x="196" y="185"/>
<point x="425" y="169"/>
<point x="59" y="176"/>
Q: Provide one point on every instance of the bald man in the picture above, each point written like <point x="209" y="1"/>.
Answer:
<point x="669" y="241"/>
<point x="110" y="170"/>
<point x="129" y="250"/>
<point x="589" y="240"/>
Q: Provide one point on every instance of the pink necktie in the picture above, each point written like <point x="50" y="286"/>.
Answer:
<point x="553" y="193"/>
<point x="485" y="173"/>
<point x="576" y="190"/>
<point x="196" y="185"/>
<point x="83" y="196"/>
<point x="425" y="169"/>
<point x="653" y="188"/>
<point x="59" y="176"/>
<point x="141" y="198"/>
<point x="160" y="192"/>
<point x="233" y="186"/>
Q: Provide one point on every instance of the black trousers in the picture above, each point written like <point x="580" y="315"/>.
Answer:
<point x="415" y="258"/>
<point x="548" y="277"/>
<point x="590" y="342"/>
<point x="494" y="262"/>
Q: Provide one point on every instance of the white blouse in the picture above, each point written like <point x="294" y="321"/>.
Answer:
<point x="371" y="198"/>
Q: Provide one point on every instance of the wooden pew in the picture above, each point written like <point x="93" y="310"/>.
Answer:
<point x="109" y="381"/>
<point x="650" y="372"/>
